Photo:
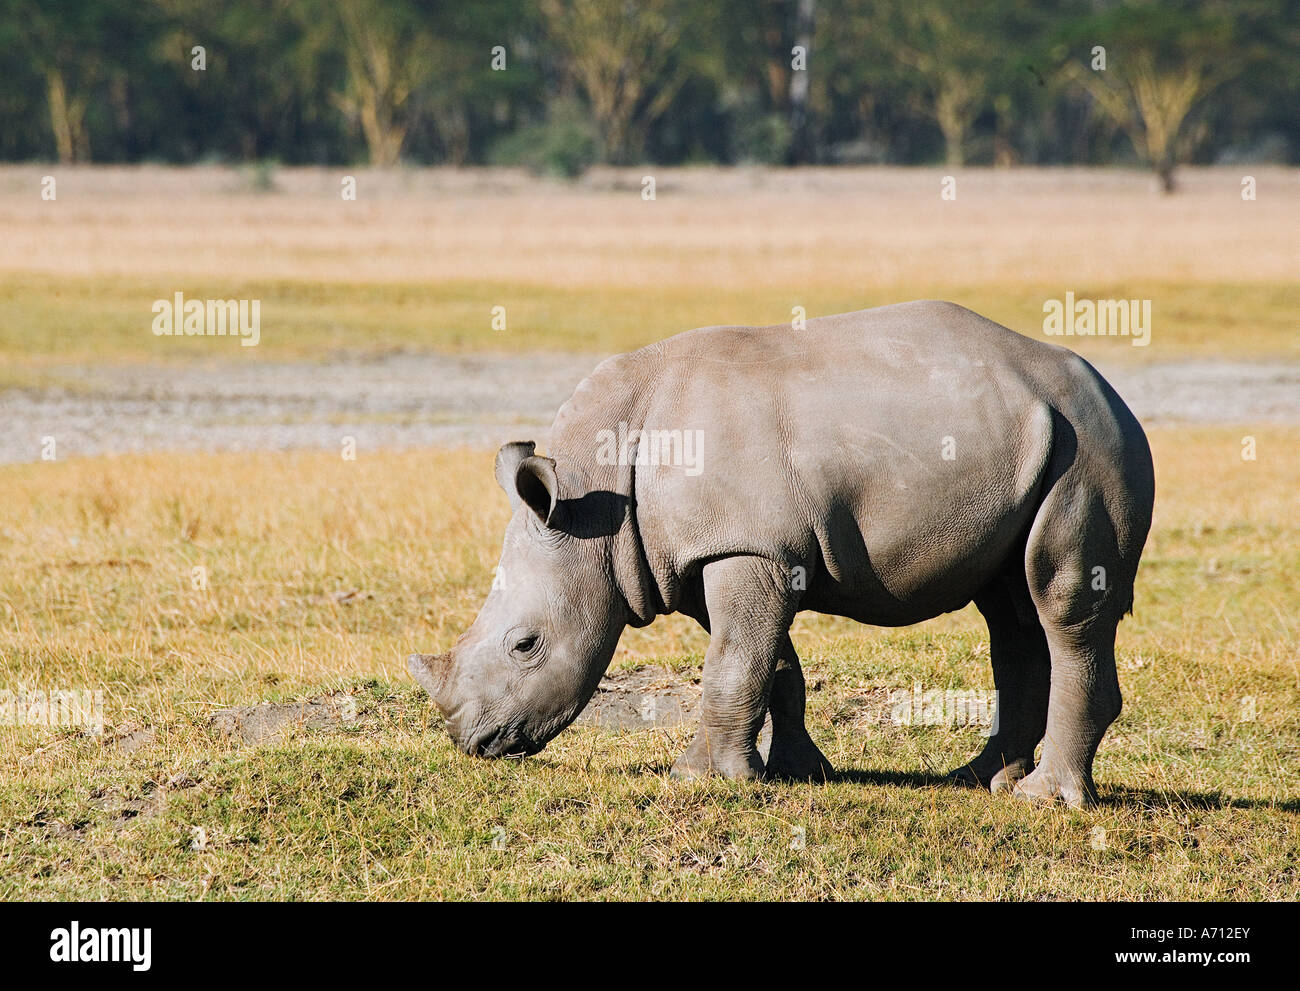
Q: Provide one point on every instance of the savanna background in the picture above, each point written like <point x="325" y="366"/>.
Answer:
<point x="196" y="542"/>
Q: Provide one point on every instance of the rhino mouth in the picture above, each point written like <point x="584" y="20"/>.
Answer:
<point x="501" y="742"/>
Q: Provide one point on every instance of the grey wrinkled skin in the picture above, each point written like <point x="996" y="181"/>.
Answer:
<point x="888" y="466"/>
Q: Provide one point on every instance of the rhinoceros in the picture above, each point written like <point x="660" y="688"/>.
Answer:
<point x="886" y="465"/>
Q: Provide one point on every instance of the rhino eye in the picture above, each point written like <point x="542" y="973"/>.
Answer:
<point x="526" y="644"/>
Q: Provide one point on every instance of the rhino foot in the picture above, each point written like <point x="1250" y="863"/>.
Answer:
<point x="1044" y="787"/>
<point x="994" y="776"/>
<point x="702" y="761"/>
<point x="794" y="757"/>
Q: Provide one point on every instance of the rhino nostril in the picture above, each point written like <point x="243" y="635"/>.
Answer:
<point x="482" y="744"/>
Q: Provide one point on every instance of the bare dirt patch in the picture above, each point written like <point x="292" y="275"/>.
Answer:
<point x="420" y="400"/>
<point x="269" y="722"/>
<point x="394" y="401"/>
<point x="646" y="698"/>
<point x="128" y="741"/>
<point x="708" y="227"/>
<point x="650" y="697"/>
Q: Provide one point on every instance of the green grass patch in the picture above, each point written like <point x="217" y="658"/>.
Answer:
<point x="49" y="320"/>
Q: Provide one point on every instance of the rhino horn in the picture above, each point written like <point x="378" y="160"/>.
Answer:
<point x="431" y="671"/>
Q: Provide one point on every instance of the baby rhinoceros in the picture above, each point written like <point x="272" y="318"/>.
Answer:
<point x="886" y="465"/>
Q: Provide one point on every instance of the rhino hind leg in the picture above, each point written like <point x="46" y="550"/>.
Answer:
<point x="793" y="756"/>
<point x="749" y="608"/>
<point x="1022" y="674"/>
<point x="1085" y="701"/>
<point x="1081" y="559"/>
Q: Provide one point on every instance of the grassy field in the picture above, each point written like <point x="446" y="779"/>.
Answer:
<point x="421" y="258"/>
<point x="48" y="317"/>
<point x="322" y="574"/>
<point x="185" y="584"/>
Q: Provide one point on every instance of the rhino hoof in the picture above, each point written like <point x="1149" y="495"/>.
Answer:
<point x="800" y="761"/>
<point x="699" y="762"/>
<point x="965" y="777"/>
<point x="1001" y="778"/>
<point x="1044" y="788"/>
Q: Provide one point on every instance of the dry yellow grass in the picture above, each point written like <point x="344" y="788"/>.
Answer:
<point x="97" y="590"/>
<point x="100" y="557"/>
<point x="707" y="228"/>
<point x="183" y="583"/>
<point x="423" y="257"/>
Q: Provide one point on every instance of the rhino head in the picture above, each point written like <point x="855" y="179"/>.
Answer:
<point x="536" y="652"/>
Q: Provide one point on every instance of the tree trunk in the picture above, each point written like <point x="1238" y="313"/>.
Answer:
<point x="1165" y="171"/>
<point x="384" y="137"/>
<point x="800" y="145"/>
<point x="453" y="131"/>
<point x="949" y="114"/>
<point x="60" y="119"/>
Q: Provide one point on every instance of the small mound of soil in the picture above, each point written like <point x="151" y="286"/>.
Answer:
<point x="645" y="698"/>
<point x="651" y="697"/>
<point x="269" y="721"/>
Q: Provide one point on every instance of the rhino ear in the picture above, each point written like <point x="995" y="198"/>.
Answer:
<point x="538" y="487"/>
<point x="507" y="466"/>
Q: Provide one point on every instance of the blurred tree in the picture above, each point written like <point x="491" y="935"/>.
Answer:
<point x="418" y="61"/>
<point x="260" y="90"/>
<point x="959" y="54"/>
<point x="1162" y="59"/>
<point x="74" y="46"/>
<point x="804" y="25"/>
<point x="387" y="49"/>
<point x="630" y="59"/>
<point x="898" y="81"/>
<point x="754" y="74"/>
<point x="335" y="81"/>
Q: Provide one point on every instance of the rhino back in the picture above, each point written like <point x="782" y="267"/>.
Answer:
<point x="893" y="454"/>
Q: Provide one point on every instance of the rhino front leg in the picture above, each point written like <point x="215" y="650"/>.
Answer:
<point x="750" y="606"/>
<point x="793" y="756"/>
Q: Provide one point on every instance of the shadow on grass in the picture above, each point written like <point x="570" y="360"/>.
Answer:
<point x="897" y="779"/>
<point x="1151" y="798"/>
<point x="1111" y="797"/>
<point x="1120" y="797"/>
